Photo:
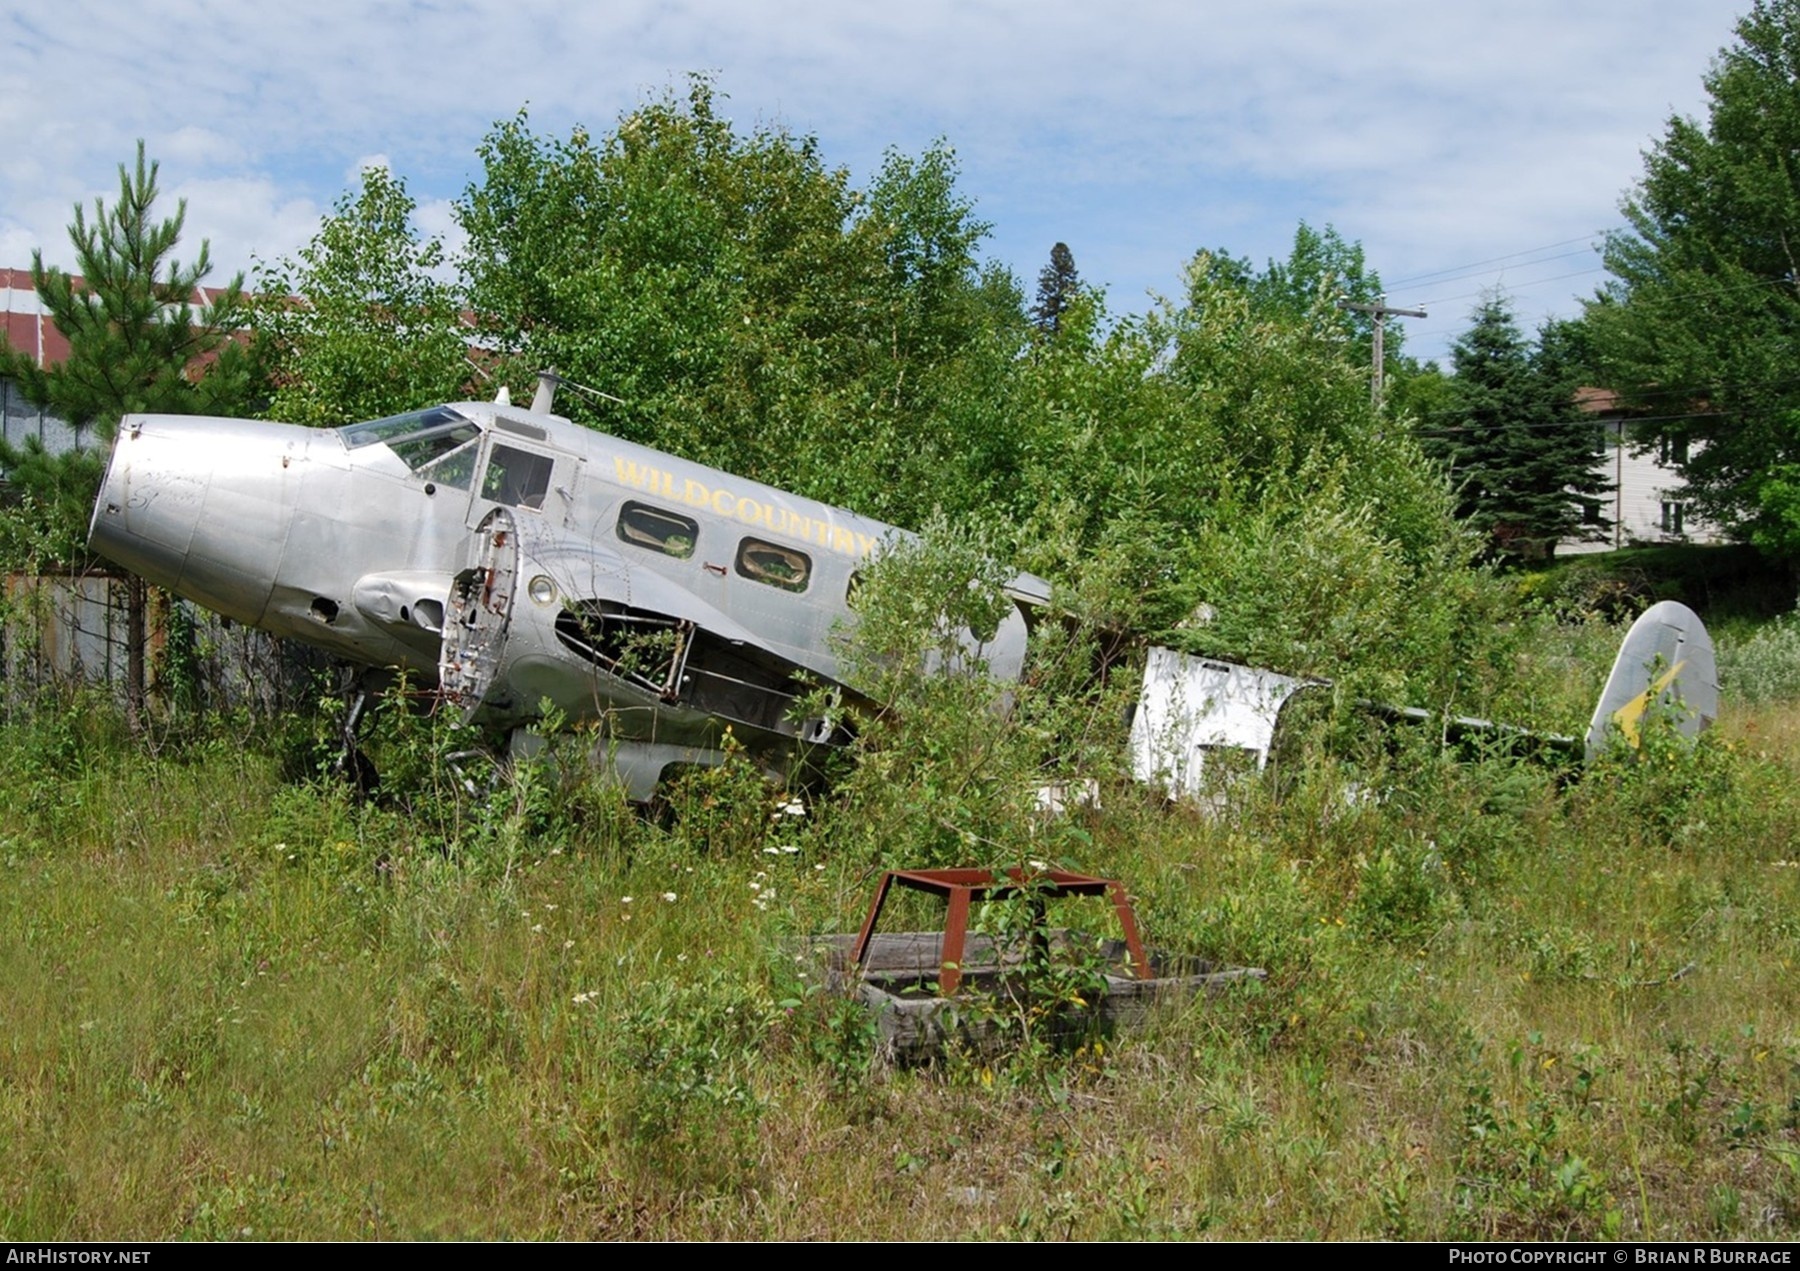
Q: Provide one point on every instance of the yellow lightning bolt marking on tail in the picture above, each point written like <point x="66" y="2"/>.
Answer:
<point x="1629" y="716"/>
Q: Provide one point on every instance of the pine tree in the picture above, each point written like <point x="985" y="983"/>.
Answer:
<point x="136" y="344"/>
<point x="1520" y="454"/>
<point x="1058" y="285"/>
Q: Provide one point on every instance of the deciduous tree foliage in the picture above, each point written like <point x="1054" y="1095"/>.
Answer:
<point x="1322" y="269"/>
<point x="359" y="325"/>
<point x="1222" y="452"/>
<point x="745" y="305"/>
<point x="1702" y="326"/>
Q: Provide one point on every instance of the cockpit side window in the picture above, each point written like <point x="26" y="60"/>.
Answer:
<point x="422" y="448"/>
<point x="516" y="478"/>
<point x="396" y="428"/>
<point x="421" y="440"/>
<point x="456" y="469"/>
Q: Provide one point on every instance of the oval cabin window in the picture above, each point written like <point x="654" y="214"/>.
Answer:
<point x="777" y="566"/>
<point x="660" y="531"/>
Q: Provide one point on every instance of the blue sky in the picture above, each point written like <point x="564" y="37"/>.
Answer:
<point x="1466" y="146"/>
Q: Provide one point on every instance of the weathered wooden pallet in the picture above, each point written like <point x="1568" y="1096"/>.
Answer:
<point x="1006" y="993"/>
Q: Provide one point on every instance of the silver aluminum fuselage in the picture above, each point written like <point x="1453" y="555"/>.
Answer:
<point x="333" y="538"/>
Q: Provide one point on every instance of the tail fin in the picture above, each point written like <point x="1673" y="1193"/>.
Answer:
<point x="1667" y="658"/>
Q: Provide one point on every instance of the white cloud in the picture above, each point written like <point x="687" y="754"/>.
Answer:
<point x="196" y="147"/>
<point x="16" y="244"/>
<point x="353" y="174"/>
<point x="1434" y="133"/>
<point x="244" y="220"/>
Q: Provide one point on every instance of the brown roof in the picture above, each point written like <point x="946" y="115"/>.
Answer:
<point x="29" y="329"/>
<point x="1597" y="401"/>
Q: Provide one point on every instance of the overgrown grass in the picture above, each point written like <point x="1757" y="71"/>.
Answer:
<point x="242" y="1006"/>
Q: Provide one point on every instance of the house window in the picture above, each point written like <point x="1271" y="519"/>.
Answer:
<point x="665" y="532"/>
<point x="1672" y="450"/>
<point x="1672" y="517"/>
<point x="781" y="567"/>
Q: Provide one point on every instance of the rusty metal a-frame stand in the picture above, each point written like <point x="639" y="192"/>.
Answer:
<point x="961" y="887"/>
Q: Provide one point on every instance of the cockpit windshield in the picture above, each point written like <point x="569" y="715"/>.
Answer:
<point x="417" y="437"/>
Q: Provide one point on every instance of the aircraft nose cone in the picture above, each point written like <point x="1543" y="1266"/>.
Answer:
<point x="199" y="506"/>
<point x="148" y="507"/>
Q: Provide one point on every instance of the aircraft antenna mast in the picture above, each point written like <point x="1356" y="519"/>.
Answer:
<point x="550" y="381"/>
<point x="545" y="398"/>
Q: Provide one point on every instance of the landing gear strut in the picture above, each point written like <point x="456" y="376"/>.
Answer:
<point x="352" y="764"/>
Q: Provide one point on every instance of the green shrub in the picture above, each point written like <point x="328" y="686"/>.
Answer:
<point x="687" y="1054"/>
<point x="1763" y="666"/>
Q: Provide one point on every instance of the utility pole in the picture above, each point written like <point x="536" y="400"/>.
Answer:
<point x="1379" y="311"/>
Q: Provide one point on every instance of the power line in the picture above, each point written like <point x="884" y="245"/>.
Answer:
<point x="1535" y="282"/>
<point x="1704" y="390"/>
<point x="1535" y="255"/>
<point x="1471" y="271"/>
<point x="1674" y="297"/>
<point x="1477" y="264"/>
<point x="1687" y="391"/>
<point x="1666" y="298"/>
<point x="1690" y="392"/>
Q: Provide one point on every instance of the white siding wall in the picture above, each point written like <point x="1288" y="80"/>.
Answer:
<point x="1637" y="506"/>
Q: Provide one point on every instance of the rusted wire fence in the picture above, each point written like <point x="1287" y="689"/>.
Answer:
<point x="66" y="631"/>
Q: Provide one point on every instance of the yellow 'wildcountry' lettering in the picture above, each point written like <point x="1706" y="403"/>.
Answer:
<point x="743" y="507"/>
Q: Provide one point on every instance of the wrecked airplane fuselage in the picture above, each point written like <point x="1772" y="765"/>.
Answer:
<point x="512" y="558"/>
